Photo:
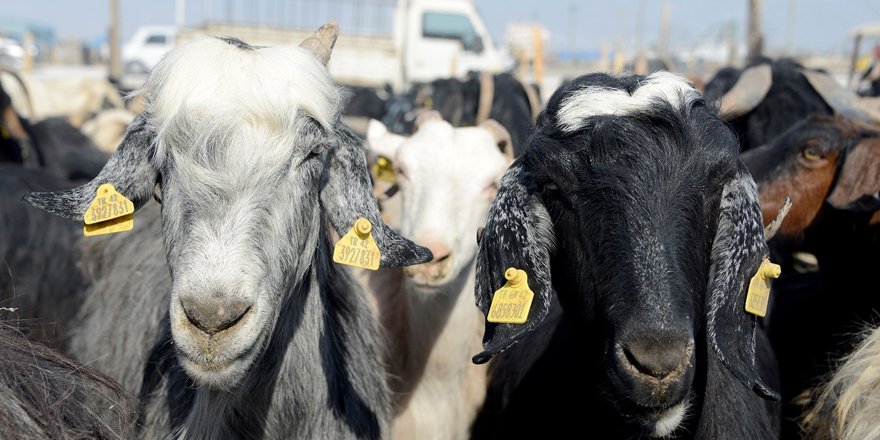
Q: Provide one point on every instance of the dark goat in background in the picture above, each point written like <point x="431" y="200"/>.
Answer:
<point x="38" y="256"/>
<point x="639" y="230"/>
<point x="830" y="167"/>
<point x="764" y="100"/>
<point x="44" y="395"/>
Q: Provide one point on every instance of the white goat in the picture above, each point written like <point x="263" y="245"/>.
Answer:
<point x="448" y="178"/>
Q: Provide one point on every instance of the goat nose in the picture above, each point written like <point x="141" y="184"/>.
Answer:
<point x="212" y="317"/>
<point x="657" y="354"/>
<point x="441" y="253"/>
<point x="434" y="269"/>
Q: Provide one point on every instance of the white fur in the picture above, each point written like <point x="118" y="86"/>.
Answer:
<point x="668" y="420"/>
<point x="430" y="317"/>
<point x="599" y="101"/>
<point x="210" y="83"/>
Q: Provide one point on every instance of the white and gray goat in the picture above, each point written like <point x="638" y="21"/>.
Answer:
<point x="448" y="178"/>
<point x="267" y="337"/>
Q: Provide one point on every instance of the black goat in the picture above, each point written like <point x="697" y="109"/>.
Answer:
<point x="639" y="230"/>
<point x="38" y="273"/>
<point x="46" y="395"/>
<point x="469" y="102"/>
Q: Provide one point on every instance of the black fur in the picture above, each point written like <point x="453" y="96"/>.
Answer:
<point x="657" y="229"/>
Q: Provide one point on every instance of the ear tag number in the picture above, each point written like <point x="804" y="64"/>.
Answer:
<point x="511" y="303"/>
<point x="109" y="213"/>
<point x="383" y="170"/>
<point x="759" y="288"/>
<point x="357" y="247"/>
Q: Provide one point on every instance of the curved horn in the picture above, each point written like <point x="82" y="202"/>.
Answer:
<point x="322" y="41"/>
<point x="747" y="93"/>
<point x="27" y="94"/>
<point x="487" y="95"/>
<point x="841" y="100"/>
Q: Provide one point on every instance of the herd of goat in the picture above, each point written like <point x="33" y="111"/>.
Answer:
<point x="639" y="207"/>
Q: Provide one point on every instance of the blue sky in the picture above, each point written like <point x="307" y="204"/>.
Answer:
<point x="819" y="25"/>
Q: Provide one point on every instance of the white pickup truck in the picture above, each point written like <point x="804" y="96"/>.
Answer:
<point x="427" y="39"/>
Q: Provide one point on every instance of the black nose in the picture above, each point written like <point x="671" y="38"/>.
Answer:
<point x="658" y="354"/>
<point x="212" y="317"/>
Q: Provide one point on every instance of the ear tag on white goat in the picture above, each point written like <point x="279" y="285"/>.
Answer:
<point x="109" y="213"/>
<point x="759" y="288"/>
<point x="511" y="303"/>
<point x="383" y="170"/>
<point x="357" y="247"/>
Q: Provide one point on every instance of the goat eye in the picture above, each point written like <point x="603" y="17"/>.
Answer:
<point x="812" y="154"/>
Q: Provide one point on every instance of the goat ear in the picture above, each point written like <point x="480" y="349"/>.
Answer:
<point x="841" y="100"/>
<point x="346" y="195"/>
<point x="738" y="249"/>
<point x="381" y="141"/>
<point x="858" y="181"/>
<point x="518" y="234"/>
<point x="749" y="90"/>
<point x="131" y="171"/>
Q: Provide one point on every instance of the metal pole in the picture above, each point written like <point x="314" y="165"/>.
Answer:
<point x="756" y="37"/>
<point x="663" y="42"/>
<point x="113" y="37"/>
<point x="180" y="15"/>
<point x="789" y="27"/>
<point x="857" y="41"/>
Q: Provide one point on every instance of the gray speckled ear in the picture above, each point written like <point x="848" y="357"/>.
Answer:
<point x="130" y="170"/>
<point x="518" y="234"/>
<point x="737" y="251"/>
<point x="347" y="194"/>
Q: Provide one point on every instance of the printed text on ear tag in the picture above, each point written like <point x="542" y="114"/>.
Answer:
<point x="759" y="288"/>
<point x="357" y="247"/>
<point x="511" y="303"/>
<point x="110" y="212"/>
<point x="383" y="170"/>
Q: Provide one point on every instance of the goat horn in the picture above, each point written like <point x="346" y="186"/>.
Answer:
<point x="322" y="41"/>
<point x="771" y="229"/>
<point x="747" y="93"/>
<point x="841" y="100"/>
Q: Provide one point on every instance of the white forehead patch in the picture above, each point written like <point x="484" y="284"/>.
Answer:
<point x="597" y="101"/>
<point x="210" y="82"/>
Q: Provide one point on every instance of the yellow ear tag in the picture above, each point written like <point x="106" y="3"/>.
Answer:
<point x="109" y="213"/>
<point x="759" y="288"/>
<point x="383" y="170"/>
<point x="511" y="303"/>
<point x="357" y="247"/>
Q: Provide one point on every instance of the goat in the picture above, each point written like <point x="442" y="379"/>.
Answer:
<point x="764" y="100"/>
<point x="448" y="178"/>
<point x="38" y="273"/>
<point x="271" y="339"/>
<point x="830" y="167"/>
<point x="639" y="230"/>
<point x="469" y="102"/>
<point x="46" y="395"/>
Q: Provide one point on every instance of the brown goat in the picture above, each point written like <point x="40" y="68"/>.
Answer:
<point x="830" y="167"/>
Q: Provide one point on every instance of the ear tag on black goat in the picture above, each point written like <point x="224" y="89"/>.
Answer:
<point x="357" y="247"/>
<point x="383" y="170"/>
<point x="511" y="303"/>
<point x="759" y="288"/>
<point x="109" y="213"/>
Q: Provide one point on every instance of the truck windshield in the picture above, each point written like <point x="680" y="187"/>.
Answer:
<point x="449" y="26"/>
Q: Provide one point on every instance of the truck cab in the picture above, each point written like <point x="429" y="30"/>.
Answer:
<point x="444" y="38"/>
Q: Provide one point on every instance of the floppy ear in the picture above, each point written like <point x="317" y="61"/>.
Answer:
<point x="858" y="181"/>
<point x="748" y="91"/>
<point x="131" y="171"/>
<point x="738" y="249"/>
<point x="381" y="141"/>
<point x="347" y="194"/>
<point x="843" y="101"/>
<point x="518" y="234"/>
